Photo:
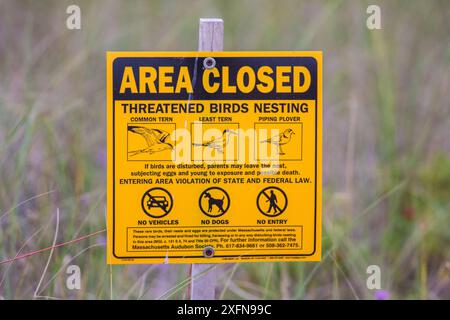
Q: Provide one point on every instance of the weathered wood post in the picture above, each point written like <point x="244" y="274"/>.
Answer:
<point x="203" y="283"/>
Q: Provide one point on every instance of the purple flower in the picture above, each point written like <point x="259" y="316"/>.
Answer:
<point x="101" y="158"/>
<point x="382" y="295"/>
<point x="101" y="240"/>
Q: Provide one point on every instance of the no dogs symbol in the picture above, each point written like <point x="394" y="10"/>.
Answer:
<point x="214" y="202"/>
<point x="157" y="202"/>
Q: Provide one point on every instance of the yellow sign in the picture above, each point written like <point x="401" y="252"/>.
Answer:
<point x="214" y="156"/>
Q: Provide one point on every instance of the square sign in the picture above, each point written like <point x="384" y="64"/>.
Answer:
<point x="214" y="157"/>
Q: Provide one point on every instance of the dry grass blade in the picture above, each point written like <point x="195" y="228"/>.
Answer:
<point x="52" y="247"/>
<point x="66" y="264"/>
<point x="345" y="277"/>
<point x="50" y="255"/>
<point x="18" y="253"/>
<point x="25" y="201"/>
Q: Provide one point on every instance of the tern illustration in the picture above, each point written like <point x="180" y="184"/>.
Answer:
<point x="280" y="139"/>
<point x="155" y="138"/>
<point x="218" y="144"/>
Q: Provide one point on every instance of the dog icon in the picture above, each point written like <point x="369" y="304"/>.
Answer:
<point x="214" y="202"/>
<point x="214" y="197"/>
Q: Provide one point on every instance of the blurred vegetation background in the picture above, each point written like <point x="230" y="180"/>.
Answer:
<point x="386" y="144"/>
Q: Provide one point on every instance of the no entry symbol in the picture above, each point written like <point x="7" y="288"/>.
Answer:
<point x="271" y="201"/>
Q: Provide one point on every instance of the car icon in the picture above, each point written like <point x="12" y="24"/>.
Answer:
<point x="157" y="202"/>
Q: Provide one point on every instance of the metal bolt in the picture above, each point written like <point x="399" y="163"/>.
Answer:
<point x="209" y="63"/>
<point x="208" y="252"/>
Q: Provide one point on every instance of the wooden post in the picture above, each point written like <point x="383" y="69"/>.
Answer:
<point x="210" y="35"/>
<point x="204" y="278"/>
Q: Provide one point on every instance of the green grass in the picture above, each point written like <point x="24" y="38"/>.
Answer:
<point x="386" y="147"/>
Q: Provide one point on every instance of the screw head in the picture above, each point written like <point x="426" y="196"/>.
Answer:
<point x="208" y="252"/>
<point x="209" y="63"/>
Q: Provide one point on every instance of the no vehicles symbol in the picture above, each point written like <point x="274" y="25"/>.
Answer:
<point x="157" y="202"/>
<point x="271" y="201"/>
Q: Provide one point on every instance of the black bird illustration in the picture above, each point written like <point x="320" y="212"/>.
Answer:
<point x="218" y="144"/>
<point x="155" y="138"/>
<point x="280" y="139"/>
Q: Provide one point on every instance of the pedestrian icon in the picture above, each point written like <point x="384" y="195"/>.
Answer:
<point x="157" y="202"/>
<point x="271" y="201"/>
<point x="214" y="202"/>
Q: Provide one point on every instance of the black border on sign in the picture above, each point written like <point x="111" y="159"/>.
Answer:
<point x="200" y="255"/>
